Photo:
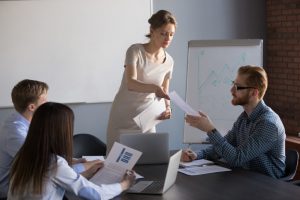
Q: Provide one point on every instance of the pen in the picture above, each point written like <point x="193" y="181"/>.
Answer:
<point x="190" y="154"/>
<point x="202" y="165"/>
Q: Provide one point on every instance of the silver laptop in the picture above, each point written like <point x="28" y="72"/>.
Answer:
<point x="159" y="187"/>
<point x="155" y="146"/>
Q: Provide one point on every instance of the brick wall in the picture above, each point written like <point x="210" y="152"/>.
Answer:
<point x="283" y="61"/>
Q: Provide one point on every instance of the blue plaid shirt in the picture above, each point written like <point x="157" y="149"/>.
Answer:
<point x="256" y="142"/>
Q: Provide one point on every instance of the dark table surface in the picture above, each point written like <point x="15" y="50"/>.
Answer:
<point x="237" y="184"/>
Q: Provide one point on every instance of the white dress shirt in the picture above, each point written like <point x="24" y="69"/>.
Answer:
<point x="63" y="178"/>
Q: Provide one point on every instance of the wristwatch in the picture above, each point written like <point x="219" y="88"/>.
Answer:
<point x="212" y="131"/>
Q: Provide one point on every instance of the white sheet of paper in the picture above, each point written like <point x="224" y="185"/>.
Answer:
<point x="193" y="171"/>
<point x="182" y="104"/>
<point x="91" y="158"/>
<point x="148" y="118"/>
<point x="198" y="163"/>
<point x="119" y="159"/>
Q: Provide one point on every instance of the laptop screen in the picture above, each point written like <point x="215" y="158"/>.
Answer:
<point x="159" y="187"/>
<point x="155" y="146"/>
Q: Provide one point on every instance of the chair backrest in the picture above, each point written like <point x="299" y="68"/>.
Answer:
<point x="291" y="164"/>
<point x="297" y="182"/>
<point x="87" y="145"/>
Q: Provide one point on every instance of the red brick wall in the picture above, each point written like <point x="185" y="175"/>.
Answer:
<point x="283" y="61"/>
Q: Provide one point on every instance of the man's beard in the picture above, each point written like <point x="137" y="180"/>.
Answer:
<point x="240" y="100"/>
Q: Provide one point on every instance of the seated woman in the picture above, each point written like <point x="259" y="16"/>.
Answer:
<point x="41" y="169"/>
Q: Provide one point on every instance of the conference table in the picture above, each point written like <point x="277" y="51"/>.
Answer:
<point x="238" y="184"/>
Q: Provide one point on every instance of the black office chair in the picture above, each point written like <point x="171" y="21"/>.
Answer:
<point x="296" y="183"/>
<point x="291" y="164"/>
<point x="87" y="145"/>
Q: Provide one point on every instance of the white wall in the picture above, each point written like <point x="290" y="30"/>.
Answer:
<point x="197" y="20"/>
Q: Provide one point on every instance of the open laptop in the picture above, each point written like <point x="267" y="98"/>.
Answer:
<point x="159" y="187"/>
<point x="155" y="146"/>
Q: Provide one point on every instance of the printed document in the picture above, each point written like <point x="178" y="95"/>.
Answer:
<point x="200" y="162"/>
<point x="182" y="104"/>
<point x="205" y="169"/>
<point x="148" y="118"/>
<point x="119" y="159"/>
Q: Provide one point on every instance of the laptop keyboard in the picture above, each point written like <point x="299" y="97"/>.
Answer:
<point x="140" y="186"/>
<point x="154" y="187"/>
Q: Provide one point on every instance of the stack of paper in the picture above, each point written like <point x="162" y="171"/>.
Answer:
<point x="202" y="166"/>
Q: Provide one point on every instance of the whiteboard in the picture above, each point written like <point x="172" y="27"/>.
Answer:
<point x="76" y="46"/>
<point x="212" y="66"/>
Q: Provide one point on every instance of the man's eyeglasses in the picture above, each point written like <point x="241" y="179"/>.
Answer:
<point x="236" y="87"/>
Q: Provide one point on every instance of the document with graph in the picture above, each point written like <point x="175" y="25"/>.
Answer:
<point x="119" y="159"/>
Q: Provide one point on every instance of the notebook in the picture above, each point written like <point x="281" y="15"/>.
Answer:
<point x="154" y="146"/>
<point x="159" y="187"/>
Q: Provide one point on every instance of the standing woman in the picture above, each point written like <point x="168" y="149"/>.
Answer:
<point x="41" y="168"/>
<point x="148" y="70"/>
